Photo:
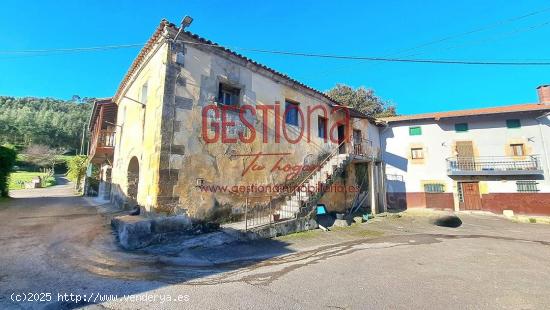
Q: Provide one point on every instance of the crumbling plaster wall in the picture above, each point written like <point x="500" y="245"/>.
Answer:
<point x="138" y="129"/>
<point x="192" y="86"/>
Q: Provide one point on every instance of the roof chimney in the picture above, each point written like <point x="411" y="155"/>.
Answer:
<point x="544" y="93"/>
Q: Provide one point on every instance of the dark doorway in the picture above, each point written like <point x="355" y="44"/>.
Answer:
<point x="357" y="142"/>
<point x="133" y="180"/>
<point x="341" y="139"/>
<point x="470" y="199"/>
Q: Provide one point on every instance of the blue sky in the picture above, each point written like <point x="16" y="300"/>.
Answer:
<point x="362" y="28"/>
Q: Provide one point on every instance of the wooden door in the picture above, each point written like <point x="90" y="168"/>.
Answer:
<point x="471" y="199"/>
<point x="465" y="155"/>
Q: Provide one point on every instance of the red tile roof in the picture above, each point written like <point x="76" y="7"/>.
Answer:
<point x="158" y="32"/>
<point x="473" y="112"/>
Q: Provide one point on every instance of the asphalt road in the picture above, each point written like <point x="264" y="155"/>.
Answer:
<point x="52" y="242"/>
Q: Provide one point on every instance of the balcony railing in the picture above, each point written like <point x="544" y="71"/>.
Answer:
<point x="494" y="165"/>
<point x="364" y="148"/>
<point x="101" y="139"/>
<point x="106" y="138"/>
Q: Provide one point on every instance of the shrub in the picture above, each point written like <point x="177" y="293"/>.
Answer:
<point x="7" y="160"/>
<point x="77" y="169"/>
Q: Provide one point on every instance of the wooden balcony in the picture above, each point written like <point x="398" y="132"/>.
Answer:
<point x="102" y="132"/>
<point x="102" y="144"/>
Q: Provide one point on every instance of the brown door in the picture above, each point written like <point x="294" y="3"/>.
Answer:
<point x="465" y="155"/>
<point x="471" y="199"/>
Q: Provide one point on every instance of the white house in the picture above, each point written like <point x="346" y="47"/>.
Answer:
<point x="491" y="159"/>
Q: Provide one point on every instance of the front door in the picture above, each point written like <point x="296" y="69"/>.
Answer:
<point x="471" y="199"/>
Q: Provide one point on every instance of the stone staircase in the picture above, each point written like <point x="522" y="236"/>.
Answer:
<point x="302" y="199"/>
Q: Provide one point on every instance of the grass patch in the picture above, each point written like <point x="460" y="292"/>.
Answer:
<point x="308" y="234"/>
<point x="19" y="178"/>
<point x="357" y="230"/>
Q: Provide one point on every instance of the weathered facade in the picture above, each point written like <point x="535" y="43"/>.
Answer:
<point x="490" y="159"/>
<point x="204" y="131"/>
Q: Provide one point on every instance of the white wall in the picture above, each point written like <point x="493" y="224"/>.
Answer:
<point x="490" y="137"/>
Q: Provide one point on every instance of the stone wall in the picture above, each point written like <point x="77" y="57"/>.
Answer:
<point x="188" y="160"/>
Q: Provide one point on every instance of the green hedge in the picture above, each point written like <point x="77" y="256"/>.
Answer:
<point x="7" y="160"/>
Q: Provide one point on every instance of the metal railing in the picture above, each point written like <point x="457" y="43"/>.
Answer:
<point x="491" y="164"/>
<point x="364" y="147"/>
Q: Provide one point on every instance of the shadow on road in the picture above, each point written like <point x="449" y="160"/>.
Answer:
<point x="59" y="241"/>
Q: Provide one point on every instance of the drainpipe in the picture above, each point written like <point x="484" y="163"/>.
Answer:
<point x="544" y="149"/>
<point x="372" y="187"/>
<point x="382" y="167"/>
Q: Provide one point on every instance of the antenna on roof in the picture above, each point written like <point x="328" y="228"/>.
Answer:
<point x="185" y="22"/>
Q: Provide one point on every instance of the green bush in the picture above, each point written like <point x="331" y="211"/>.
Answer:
<point x="7" y="160"/>
<point x="77" y="169"/>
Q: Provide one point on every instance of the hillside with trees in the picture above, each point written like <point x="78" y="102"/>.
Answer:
<point x="45" y="121"/>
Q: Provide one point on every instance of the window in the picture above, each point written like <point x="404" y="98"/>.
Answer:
<point x="527" y="186"/>
<point x="291" y="113"/>
<point x="517" y="149"/>
<point x="415" y="131"/>
<point x="228" y="95"/>
<point x="513" y="123"/>
<point x="417" y="153"/>
<point x="461" y="127"/>
<point x="143" y="98"/>
<point x="322" y="127"/>
<point x="434" y="188"/>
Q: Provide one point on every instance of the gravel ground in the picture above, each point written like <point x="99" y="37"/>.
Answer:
<point x="54" y="242"/>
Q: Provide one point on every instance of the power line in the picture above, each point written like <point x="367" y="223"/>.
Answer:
<point x="475" y="30"/>
<point x="74" y="49"/>
<point x="43" y="52"/>
<point x="409" y="60"/>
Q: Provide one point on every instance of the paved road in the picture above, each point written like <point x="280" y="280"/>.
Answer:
<point x="54" y="242"/>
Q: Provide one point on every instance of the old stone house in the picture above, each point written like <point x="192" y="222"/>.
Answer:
<point x="202" y="130"/>
<point x="195" y="128"/>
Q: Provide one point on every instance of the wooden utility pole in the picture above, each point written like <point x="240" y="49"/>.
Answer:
<point x="82" y="141"/>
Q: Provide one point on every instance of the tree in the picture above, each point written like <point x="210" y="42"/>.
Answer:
<point x="7" y="160"/>
<point x="44" y="156"/>
<point x="362" y="99"/>
<point x="52" y="122"/>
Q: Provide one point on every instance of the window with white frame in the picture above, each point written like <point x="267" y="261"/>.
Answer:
<point x="417" y="153"/>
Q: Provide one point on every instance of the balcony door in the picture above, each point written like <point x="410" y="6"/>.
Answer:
<point x="470" y="198"/>
<point x="465" y="155"/>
